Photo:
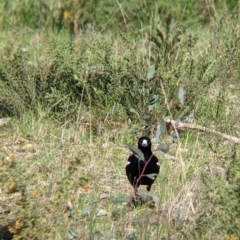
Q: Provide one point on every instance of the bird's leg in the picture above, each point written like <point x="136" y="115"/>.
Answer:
<point x="148" y="187"/>
<point x="135" y="191"/>
<point x="135" y="186"/>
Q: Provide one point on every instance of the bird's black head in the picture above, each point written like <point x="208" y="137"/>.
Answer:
<point x="144" y="144"/>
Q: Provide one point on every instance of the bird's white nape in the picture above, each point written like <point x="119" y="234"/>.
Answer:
<point x="144" y="143"/>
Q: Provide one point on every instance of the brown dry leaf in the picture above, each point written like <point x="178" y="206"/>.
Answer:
<point x="69" y="205"/>
<point x="18" y="224"/>
<point x="26" y="148"/>
<point x="3" y="169"/>
<point x="34" y="193"/>
<point x="87" y="186"/>
<point x="232" y="237"/>
<point x="11" y="156"/>
<point x="11" y="187"/>
<point x="66" y="14"/>
<point x="79" y="212"/>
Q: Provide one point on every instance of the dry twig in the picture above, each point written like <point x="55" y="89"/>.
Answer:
<point x="182" y="125"/>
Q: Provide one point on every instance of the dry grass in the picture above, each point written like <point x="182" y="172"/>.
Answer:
<point x="72" y="176"/>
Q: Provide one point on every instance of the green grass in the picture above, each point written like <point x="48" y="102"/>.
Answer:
<point x="67" y="94"/>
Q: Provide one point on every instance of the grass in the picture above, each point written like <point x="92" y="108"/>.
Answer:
<point x="67" y="95"/>
<point x="78" y="175"/>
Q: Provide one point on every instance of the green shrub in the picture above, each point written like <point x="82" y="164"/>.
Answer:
<point x="219" y="201"/>
<point x="101" y="73"/>
<point x="17" y="84"/>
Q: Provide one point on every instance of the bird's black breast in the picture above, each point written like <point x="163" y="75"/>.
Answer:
<point x="135" y="167"/>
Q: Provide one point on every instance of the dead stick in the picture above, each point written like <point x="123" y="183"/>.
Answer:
<point x="182" y="125"/>
<point x="141" y="175"/>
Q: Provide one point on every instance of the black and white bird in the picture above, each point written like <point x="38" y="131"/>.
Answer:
<point x="135" y="166"/>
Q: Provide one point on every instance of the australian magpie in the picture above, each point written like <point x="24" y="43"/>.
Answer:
<point x="136" y="166"/>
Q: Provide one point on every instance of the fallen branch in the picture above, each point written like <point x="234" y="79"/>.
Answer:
<point x="182" y="125"/>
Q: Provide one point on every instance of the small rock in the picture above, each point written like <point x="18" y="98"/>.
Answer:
<point x="102" y="212"/>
